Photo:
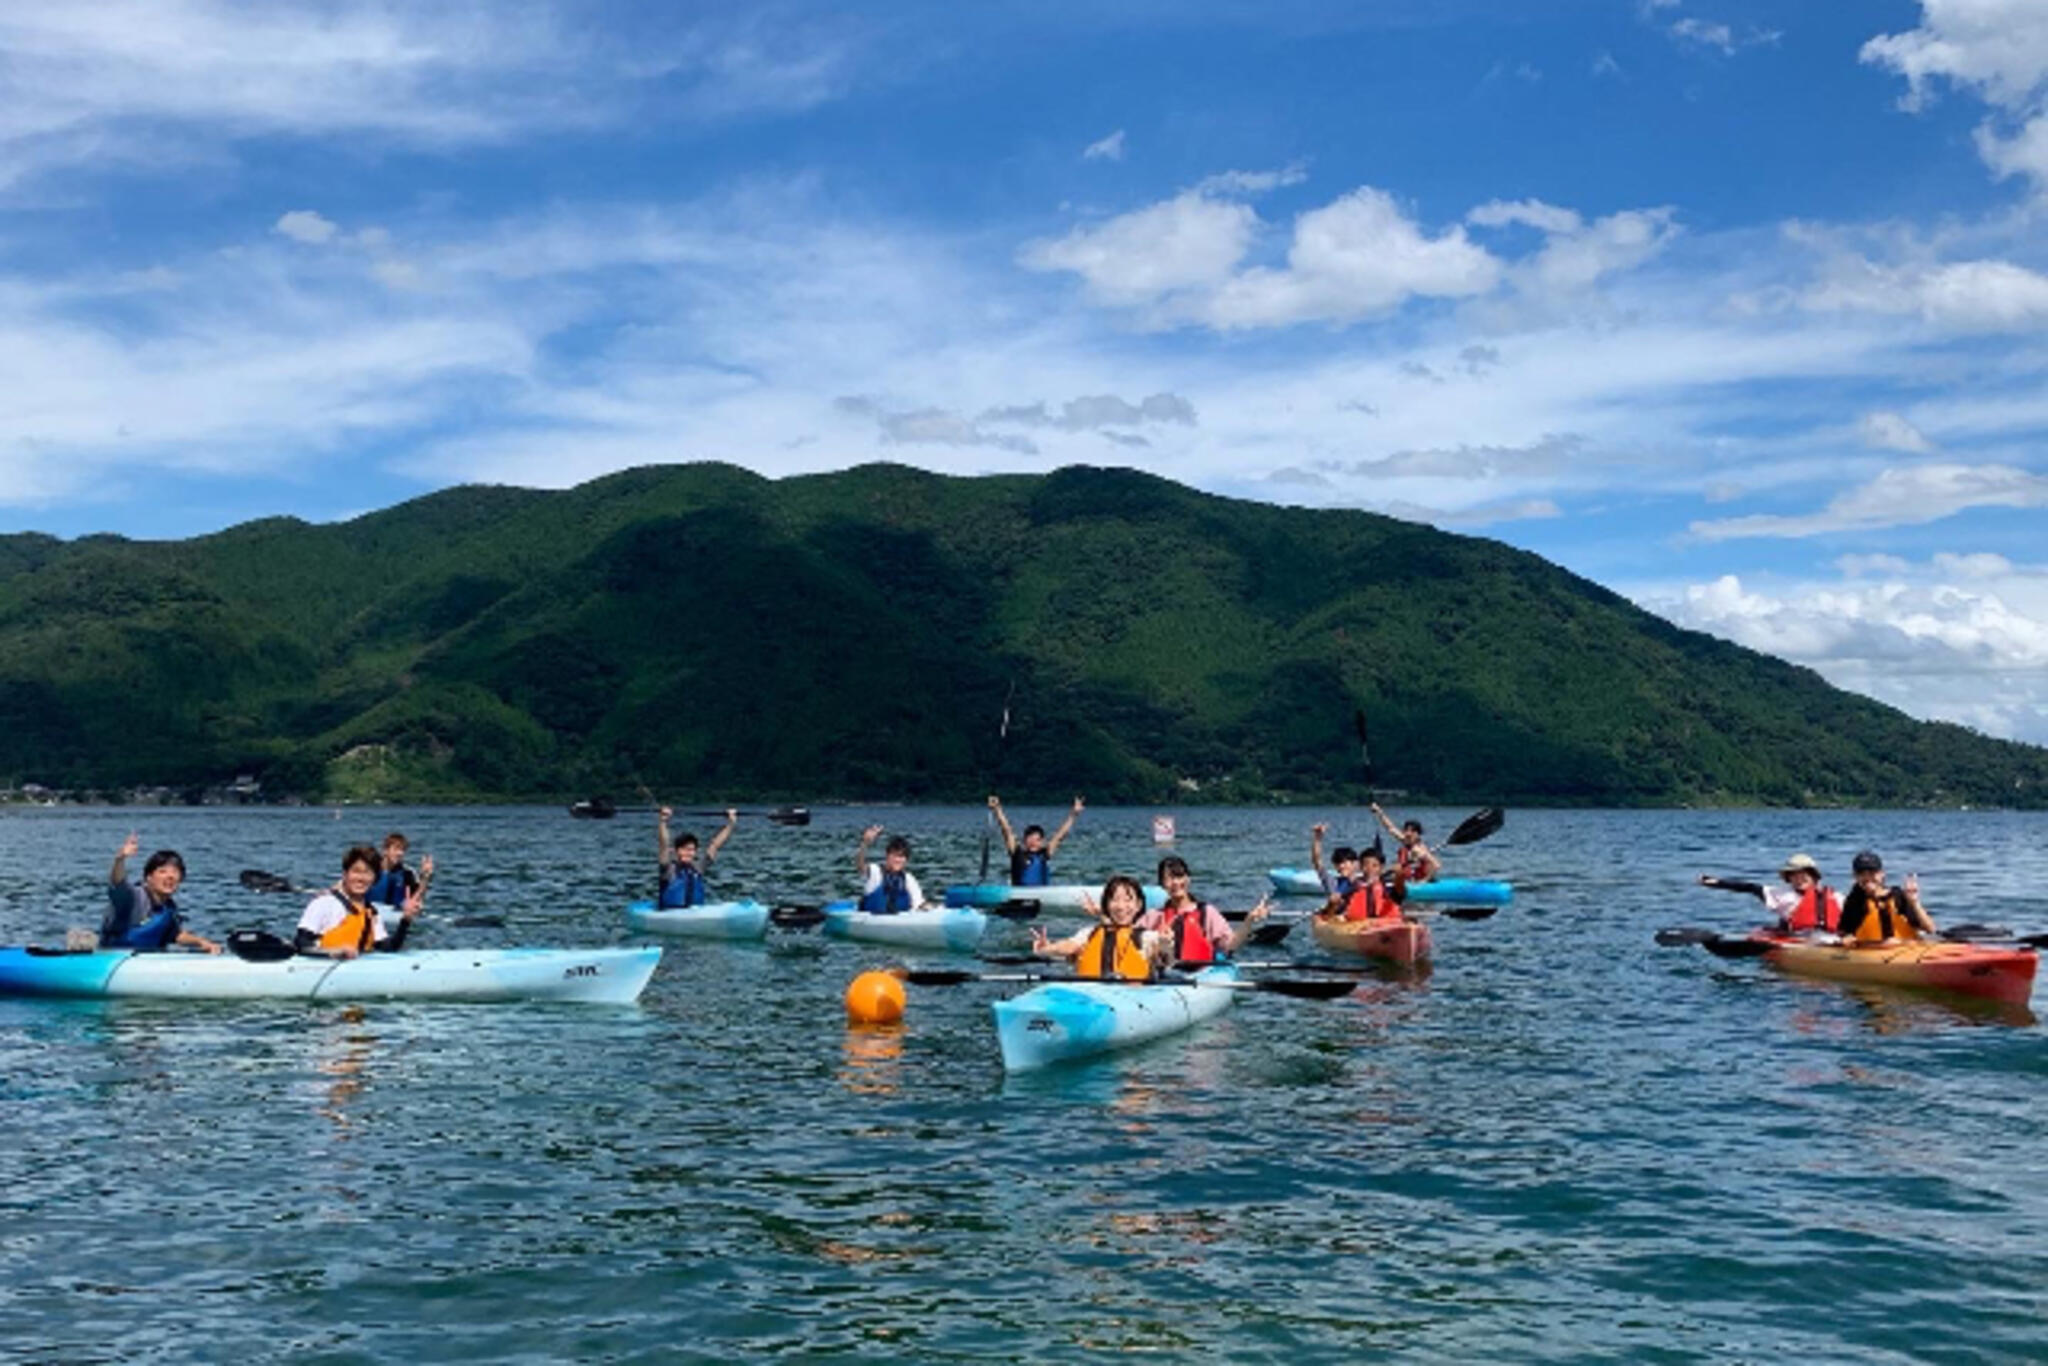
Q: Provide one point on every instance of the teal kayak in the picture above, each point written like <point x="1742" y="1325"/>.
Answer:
<point x="1060" y="896"/>
<point x="1448" y="891"/>
<point x="605" y="976"/>
<point x="713" y="920"/>
<point x="955" y="928"/>
<point x="1062" y="1021"/>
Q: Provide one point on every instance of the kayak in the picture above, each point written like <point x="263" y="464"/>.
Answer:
<point x="1453" y="891"/>
<point x="607" y="976"/>
<point x="713" y="920"/>
<point x="1062" y="1021"/>
<point x="1399" y="941"/>
<point x="932" y="927"/>
<point x="1995" y="972"/>
<point x="1060" y="896"/>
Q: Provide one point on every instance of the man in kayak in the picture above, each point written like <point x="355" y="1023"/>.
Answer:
<point x="1372" y="896"/>
<point x="1031" y="857"/>
<point x="1118" y="946"/>
<point x="1803" y="905"/>
<point x="1345" y="859"/>
<point x="888" y="887"/>
<point x="146" y="916"/>
<point x="1191" y="930"/>
<point x="1873" y="913"/>
<point x="1414" y="861"/>
<point x="682" y="882"/>
<point x="341" y="922"/>
<point x="395" y="882"/>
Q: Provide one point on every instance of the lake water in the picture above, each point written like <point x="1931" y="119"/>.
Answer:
<point x="1562" y="1143"/>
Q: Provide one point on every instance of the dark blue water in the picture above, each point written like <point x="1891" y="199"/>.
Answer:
<point x="1562" y="1143"/>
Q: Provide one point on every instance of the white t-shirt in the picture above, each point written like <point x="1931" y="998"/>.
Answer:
<point x="328" y="910"/>
<point x="1780" y="901"/>
<point x="909" y="884"/>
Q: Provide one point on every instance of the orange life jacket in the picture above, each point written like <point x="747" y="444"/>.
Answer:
<point x="1113" y="951"/>
<point x="357" y="930"/>
<point x="1884" y="917"/>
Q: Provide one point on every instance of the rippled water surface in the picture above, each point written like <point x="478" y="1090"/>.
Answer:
<point x="1561" y="1143"/>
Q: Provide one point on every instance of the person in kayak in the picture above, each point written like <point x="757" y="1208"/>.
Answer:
<point x="146" y="915"/>
<point x="1344" y="859"/>
<point x="395" y="882"/>
<point x="682" y="882"/>
<point x="1414" y="861"/>
<point x="1873" y="913"/>
<point x="1191" y="930"/>
<point x="888" y="887"/>
<point x="1372" y="895"/>
<point x="341" y="922"/>
<point x="1119" y="946"/>
<point x="1031" y="857"/>
<point x="1804" y="905"/>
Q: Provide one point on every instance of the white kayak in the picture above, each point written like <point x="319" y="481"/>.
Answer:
<point x="1061" y="1021"/>
<point x="712" y="920"/>
<point x="932" y="927"/>
<point x="602" y="976"/>
<point x="1059" y="896"/>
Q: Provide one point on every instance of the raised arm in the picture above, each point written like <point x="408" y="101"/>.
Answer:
<point x="1386" y="820"/>
<point x="1066" y="827"/>
<point x="118" y="874"/>
<point x="664" y="852"/>
<point x="1729" y="884"/>
<point x="1315" y="848"/>
<point x="995" y="804"/>
<point x="732" y="818"/>
<point x="1910" y="895"/>
<point x="860" y="854"/>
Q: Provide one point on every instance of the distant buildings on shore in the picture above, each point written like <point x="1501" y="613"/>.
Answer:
<point x="245" y="790"/>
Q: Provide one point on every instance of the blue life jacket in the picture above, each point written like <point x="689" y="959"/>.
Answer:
<point x="392" y="887"/>
<point x="119" y="930"/>
<point x="1030" y="868"/>
<point x="1342" y="888"/>
<point x="890" y="897"/>
<point x="684" y="887"/>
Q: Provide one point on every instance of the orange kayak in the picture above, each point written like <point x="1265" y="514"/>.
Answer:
<point x="1994" y="972"/>
<point x="1397" y="941"/>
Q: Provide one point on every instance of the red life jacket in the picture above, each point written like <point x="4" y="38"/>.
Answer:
<point x="1371" y="900"/>
<point x="1410" y="863"/>
<point x="1191" y="943"/>
<point x="1818" y="909"/>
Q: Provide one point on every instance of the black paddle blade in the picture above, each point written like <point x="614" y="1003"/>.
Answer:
<point x="1016" y="910"/>
<point x="1727" y="946"/>
<point x="1684" y="935"/>
<point x="937" y="977"/>
<point x="479" y="922"/>
<point x="791" y="815"/>
<point x="1314" y="989"/>
<point x="1471" y="912"/>
<point x="256" y="880"/>
<point x="258" y="946"/>
<point x="1478" y="826"/>
<point x="796" y="917"/>
<point x="1269" y="932"/>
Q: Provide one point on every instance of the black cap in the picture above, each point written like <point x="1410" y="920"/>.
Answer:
<point x="1866" y="862"/>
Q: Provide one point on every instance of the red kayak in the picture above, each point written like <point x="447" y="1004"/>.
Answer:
<point x="1994" y="972"/>
<point x="1397" y="941"/>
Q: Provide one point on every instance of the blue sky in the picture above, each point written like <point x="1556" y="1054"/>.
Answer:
<point x="1738" y="308"/>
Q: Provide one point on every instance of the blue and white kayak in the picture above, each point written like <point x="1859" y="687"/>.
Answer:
<point x="1059" y="896"/>
<point x="712" y="920"/>
<point x="1062" y="1021"/>
<point x="602" y="976"/>
<point x="957" y="928"/>
<point x="1449" y="891"/>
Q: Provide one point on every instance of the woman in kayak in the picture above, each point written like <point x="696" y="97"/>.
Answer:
<point x="1117" y="947"/>
<point x="1802" y="906"/>
<point x="1414" y="861"/>
<point x="1345" y="859"/>
<point x="1873" y="913"/>
<point x="152" y="902"/>
<point x="395" y="882"/>
<point x="1031" y="857"/>
<point x="888" y="887"/>
<point x="682" y="882"/>
<point x="1372" y="896"/>
<point x="341" y="922"/>
<point x="1191" y="930"/>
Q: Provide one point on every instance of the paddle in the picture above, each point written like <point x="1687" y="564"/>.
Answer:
<point x="256" y="880"/>
<point x="258" y="946"/>
<point x="1478" y="826"/>
<point x="781" y="815"/>
<point x="1269" y="933"/>
<point x="1326" y="990"/>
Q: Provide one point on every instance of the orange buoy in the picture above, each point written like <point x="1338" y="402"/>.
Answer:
<point x="874" y="998"/>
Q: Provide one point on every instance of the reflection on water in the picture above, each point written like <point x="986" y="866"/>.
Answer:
<point x="873" y="1059"/>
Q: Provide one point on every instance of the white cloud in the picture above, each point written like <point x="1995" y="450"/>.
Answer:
<point x="305" y="225"/>
<point x="1110" y="148"/>
<point x="1961" y="638"/>
<point x="1890" y="432"/>
<point x="1227" y="183"/>
<point x="1997" y="49"/>
<point x="1897" y="497"/>
<point x="1977" y="296"/>
<point x="1534" y="213"/>
<point x="1189" y="242"/>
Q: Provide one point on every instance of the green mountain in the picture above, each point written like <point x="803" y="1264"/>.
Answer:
<point x="707" y="633"/>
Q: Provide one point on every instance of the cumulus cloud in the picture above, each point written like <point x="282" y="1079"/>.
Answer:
<point x="1997" y="49"/>
<point x="1189" y="242"/>
<point x="1500" y="213"/>
<point x="1110" y="148"/>
<point x="1975" y="296"/>
<point x="1891" y="432"/>
<point x="931" y="427"/>
<point x="1897" y="497"/>
<point x="304" y="225"/>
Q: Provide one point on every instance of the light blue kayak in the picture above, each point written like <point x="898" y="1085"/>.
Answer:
<point x="1448" y="891"/>
<point x="606" y="976"/>
<point x="1062" y="1021"/>
<point x="1059" y="896"/>
<point x="955" y="928"/>
<point x="712" y="920"/>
